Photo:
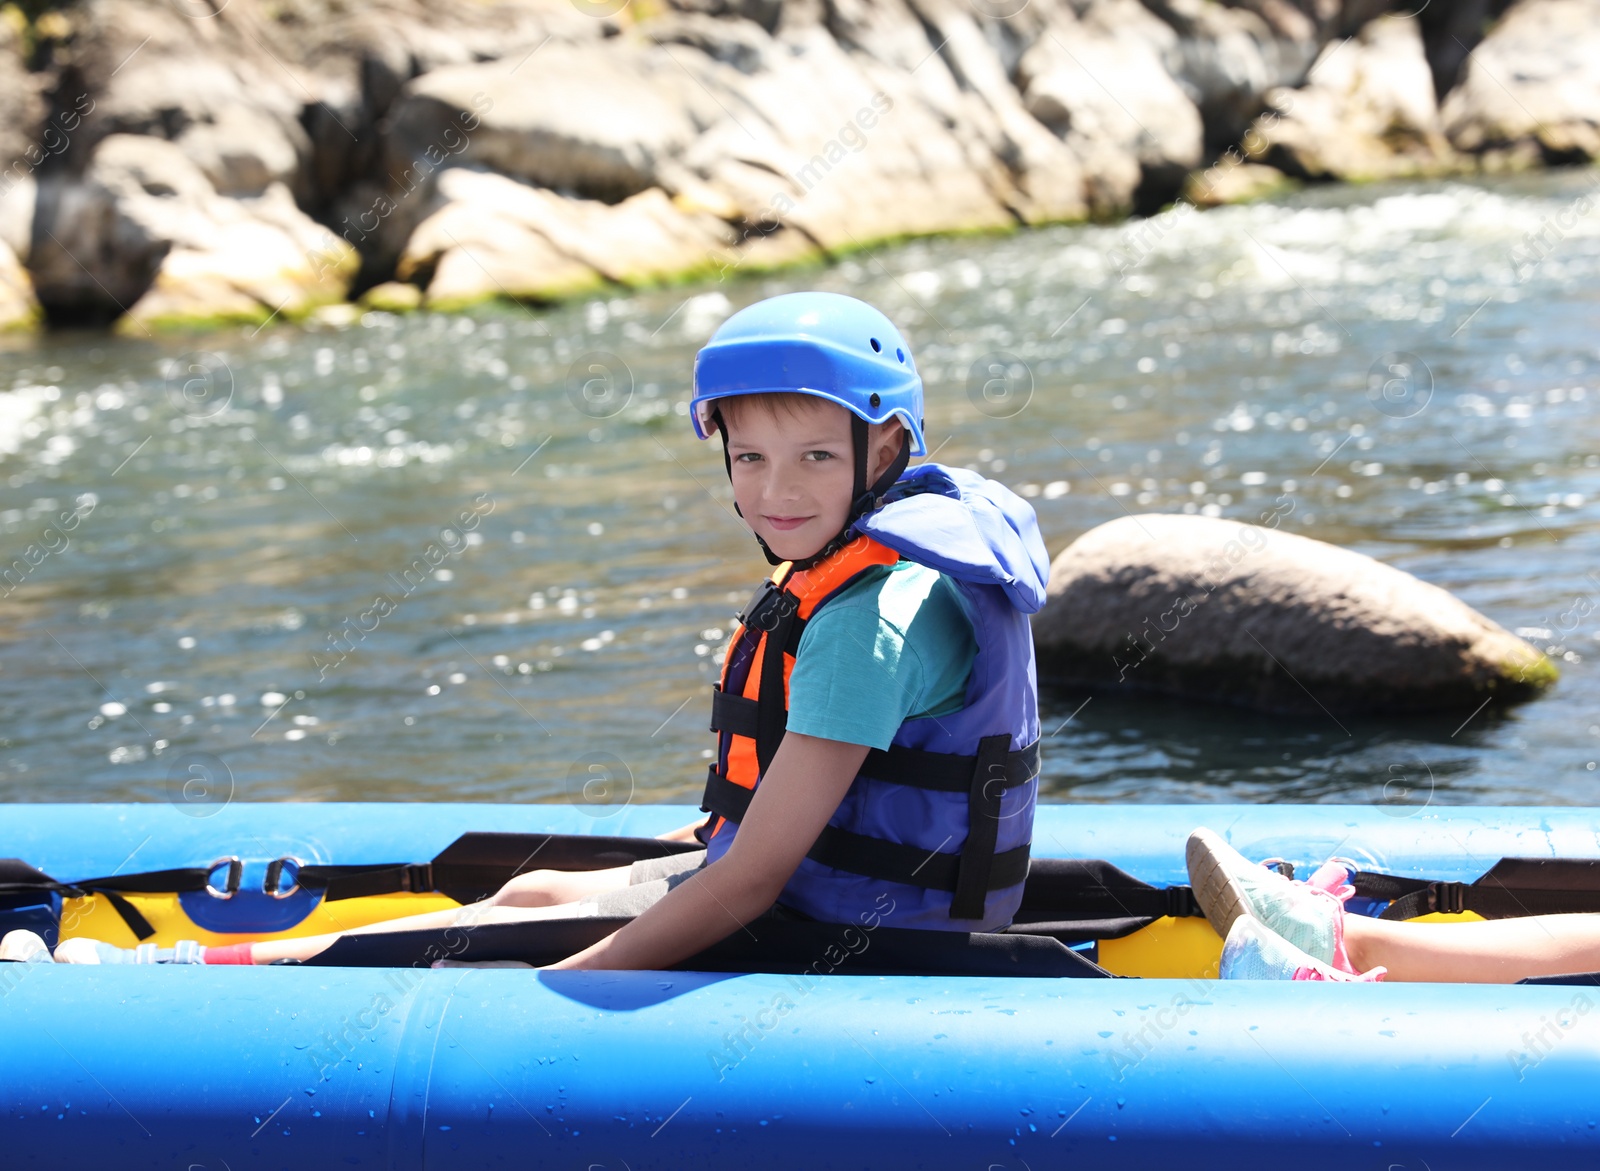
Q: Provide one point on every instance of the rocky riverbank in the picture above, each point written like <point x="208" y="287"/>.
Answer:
<point x="174" y="162"/>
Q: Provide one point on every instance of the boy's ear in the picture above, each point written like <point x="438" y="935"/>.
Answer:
<point x="891" y="434"/>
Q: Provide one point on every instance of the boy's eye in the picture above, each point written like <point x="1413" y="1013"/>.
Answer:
<point x="821" y="455"/>
<point x="747" y="455"/>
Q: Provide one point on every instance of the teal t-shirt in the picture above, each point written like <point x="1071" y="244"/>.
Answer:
<point x="895" y="644"/>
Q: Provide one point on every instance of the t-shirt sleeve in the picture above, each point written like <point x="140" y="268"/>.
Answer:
<point x="893" y="647"/>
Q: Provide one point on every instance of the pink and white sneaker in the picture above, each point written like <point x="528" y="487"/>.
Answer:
<point x="1253" y="951"/>
<point x="1309" y="914"/>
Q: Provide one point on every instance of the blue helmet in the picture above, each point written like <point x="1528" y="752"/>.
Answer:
<point x="826" y="344"/>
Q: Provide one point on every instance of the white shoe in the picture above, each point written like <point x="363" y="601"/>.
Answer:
<point x="78" y="950"/>
<point x="1253" y="951"/>
<point x="24" y="947"/>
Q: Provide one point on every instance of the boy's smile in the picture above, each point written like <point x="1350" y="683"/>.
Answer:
<point x="793" y="470"/>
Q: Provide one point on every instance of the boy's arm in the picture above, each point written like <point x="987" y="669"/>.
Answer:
<point x="799" y="793"/>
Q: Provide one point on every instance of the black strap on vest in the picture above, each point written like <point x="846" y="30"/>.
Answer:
<point x="875" y="857"/>
<point x="984" y="791"/>
<point x="772" y="719"/>
<point x="941" y="772"/>
<point x="765" y="607"/>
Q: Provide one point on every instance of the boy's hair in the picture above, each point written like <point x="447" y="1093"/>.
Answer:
<point x="789" y="402"/>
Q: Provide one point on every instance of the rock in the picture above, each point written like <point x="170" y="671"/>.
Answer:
<point x="1532" y="88"/>
<point x="493" y="236"/>
<point x="22" y="111"/>
<point x="392" y="297"/>
<point x="26" y="142"/>
<point x="19" y="308"/>
<point x="19" y="192"/>
<point x="1450" y="32"/>
<point x="960" y="66"/>
<point x="1100" y="84"/>
<point x="1226" y="58"/>
<point x="848" y="153"/>
<point x="224" y="88"/>
<point x="1215" y="609"/>
<point x="695" y="135"/>
<point x="1230" y="181"/>
<point x="145" y="236"/>
<point x="1367" y="111"/>
<point x="595" y="122"/>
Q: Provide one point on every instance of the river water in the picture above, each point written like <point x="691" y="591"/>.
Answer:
<point x="483" y="558"/>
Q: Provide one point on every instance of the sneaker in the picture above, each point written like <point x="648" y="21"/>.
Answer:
<point x="1253" y="951"/>
<point x="24" y="947"/>
<point x="1308" y="914"/>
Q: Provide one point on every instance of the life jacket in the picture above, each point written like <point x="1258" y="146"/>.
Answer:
<point x="941" y="822"/>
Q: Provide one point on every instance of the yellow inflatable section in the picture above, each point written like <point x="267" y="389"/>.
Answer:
<point x="96" y="918"/>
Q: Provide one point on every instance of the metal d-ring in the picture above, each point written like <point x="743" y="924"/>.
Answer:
<point x="235" y="875"/>
<point x="269" y="884"/>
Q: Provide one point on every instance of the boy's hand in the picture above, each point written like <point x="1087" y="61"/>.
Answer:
<point x="683" y="833"/>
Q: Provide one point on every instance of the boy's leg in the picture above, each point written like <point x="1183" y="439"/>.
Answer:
<point x="507" y="905"/>
<point x="1499" y="951"/>
<point x="544" y="888"/>
<point x="565" y="887"/>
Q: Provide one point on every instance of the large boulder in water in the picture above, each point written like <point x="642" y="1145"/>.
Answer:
<point x="1218" y="610"/>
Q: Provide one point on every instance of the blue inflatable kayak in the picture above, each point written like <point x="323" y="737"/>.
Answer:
<point x="836" y="1047"/>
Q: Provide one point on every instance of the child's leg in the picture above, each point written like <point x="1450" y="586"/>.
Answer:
<point x="515" y="901"/>
<point x="310" y="945"/>
<point x="545" y="888"/>
<point x="518" y="900"/>
<point x="1499" y="951"/>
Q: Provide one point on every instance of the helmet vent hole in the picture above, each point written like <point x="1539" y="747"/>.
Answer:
<point x="874" y="400"/>
<point x="877" y="346"/>
<point x="901" y="354"/>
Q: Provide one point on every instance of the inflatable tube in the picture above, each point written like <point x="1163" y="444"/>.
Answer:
<point x="309" y="1067"/>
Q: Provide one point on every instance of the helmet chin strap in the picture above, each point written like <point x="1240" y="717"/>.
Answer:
<point x="863" y="500"/>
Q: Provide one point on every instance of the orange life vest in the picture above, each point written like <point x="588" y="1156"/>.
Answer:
<point x="808" y="588"/>
<point x="964" y="793"/>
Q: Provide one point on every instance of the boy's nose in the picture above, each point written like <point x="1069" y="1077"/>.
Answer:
<point x="783" y="484"/>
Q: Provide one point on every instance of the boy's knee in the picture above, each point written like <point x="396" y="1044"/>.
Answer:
<point x="537" y="888"/>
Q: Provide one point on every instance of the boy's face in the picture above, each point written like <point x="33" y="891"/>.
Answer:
<point x="792" y="473"/>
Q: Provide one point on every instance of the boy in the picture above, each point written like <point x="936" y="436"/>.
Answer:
<point x="877" y="712"/>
